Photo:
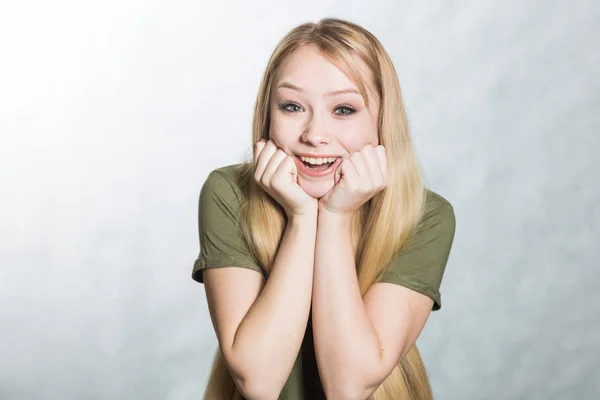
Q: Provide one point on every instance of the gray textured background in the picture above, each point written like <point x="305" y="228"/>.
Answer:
<point x="112" y="114"/>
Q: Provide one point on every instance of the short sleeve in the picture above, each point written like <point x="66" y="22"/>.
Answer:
<point x="222" y="243"/>
<point x="421" y="264"/>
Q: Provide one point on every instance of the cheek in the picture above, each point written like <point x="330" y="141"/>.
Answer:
<point x="356" y="137"/>
<point x="357" y="134"/>
<point x="355" y="141"/>
<point x="281" y="131"/>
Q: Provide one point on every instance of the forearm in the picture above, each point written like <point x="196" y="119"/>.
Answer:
<point x="346" y="345"/>
<point x="269" y="337"/>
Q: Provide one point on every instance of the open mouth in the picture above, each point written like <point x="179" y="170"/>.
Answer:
<point x="318" y="167"/>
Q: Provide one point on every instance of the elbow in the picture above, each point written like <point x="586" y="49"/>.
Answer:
<point x="254" y="382"/>
<point x="256" y="385"/>
<point x="343" y="389"/>
<point x="258" y="389"/>
<point x="348" y="392"/>
<point x="356" y="386"/>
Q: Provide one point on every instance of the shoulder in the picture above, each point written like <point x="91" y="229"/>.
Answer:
<point x="226" y="175"/>
<point x="435" y="201"/>
<point x="437" y="206"/>
<point x="421" y="263"/>
<point x="438" y="215"/>
<point x="223" y="182"/>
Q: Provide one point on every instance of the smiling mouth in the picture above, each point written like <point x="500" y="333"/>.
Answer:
<point x="310" y="166"/>
<point x="317" y="163"/>
<point x="319" y="167"/>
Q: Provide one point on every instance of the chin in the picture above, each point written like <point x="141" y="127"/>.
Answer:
<point x="316" y="189"/>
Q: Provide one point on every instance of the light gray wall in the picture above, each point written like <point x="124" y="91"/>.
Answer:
<point x="113" y="113"/>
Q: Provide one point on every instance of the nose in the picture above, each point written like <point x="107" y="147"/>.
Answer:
<point x="315" y="133"/>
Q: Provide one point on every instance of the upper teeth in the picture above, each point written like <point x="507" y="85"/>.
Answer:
<point x="317" y="161"/>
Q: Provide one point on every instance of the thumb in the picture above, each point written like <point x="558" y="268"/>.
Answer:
<point x="338" y="174"/>
<point x="290" y="167"/>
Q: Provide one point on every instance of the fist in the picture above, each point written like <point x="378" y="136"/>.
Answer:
<point x="357" y="179"/>
<point x="275" y="171"/>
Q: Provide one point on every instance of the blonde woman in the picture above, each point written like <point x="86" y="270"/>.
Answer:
<point x="323" y="256"/>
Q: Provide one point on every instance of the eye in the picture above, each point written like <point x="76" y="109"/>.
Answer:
<point x="350" y="110"/>
<point x="289" y="107"/>
<point x="284" y="106"/>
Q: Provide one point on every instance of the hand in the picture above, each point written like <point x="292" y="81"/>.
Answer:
<point x="276" y="173"/>
<point x="357" y="179"/>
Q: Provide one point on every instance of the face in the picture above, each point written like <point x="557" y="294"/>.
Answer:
<point x="308" y="121"/>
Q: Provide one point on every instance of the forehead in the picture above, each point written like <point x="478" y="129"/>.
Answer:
<point x="312" y="71"/>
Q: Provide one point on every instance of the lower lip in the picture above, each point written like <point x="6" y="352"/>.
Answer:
<point x="313" y="173"/>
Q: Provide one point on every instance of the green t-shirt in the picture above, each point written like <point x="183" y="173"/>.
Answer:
<point x="419" y="266"/>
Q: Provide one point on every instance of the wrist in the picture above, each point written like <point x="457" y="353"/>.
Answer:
<point x="338" y="217"/>
<point x="307" y="213"/>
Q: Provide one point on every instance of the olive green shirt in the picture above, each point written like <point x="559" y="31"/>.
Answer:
<point x="419" y="266"/>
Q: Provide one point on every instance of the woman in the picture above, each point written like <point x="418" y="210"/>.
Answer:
<point x="340" y="248"/>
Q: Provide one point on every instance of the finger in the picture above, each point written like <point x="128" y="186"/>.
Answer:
<point x="371" y="157"/>
<point x="286" y="171"/>
<point x="349" y="174"/>
<point x="338" y="173"/>
<point x="264" y="158"/>
<point x="365" y="181"/>
<point x="258" y="146"/>
<point x="382" y="153"/>
<point x="272" y="166"/>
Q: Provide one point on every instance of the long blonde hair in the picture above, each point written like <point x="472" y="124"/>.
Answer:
<point x="381" y="227"/>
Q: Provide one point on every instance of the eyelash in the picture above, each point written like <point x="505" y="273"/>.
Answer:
<point x="347" y="106"/>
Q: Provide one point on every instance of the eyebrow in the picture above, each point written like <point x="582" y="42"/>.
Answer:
<point x="330" y="93"/>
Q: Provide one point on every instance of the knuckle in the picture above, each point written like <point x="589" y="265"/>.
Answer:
<point x="275" y="181"/>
